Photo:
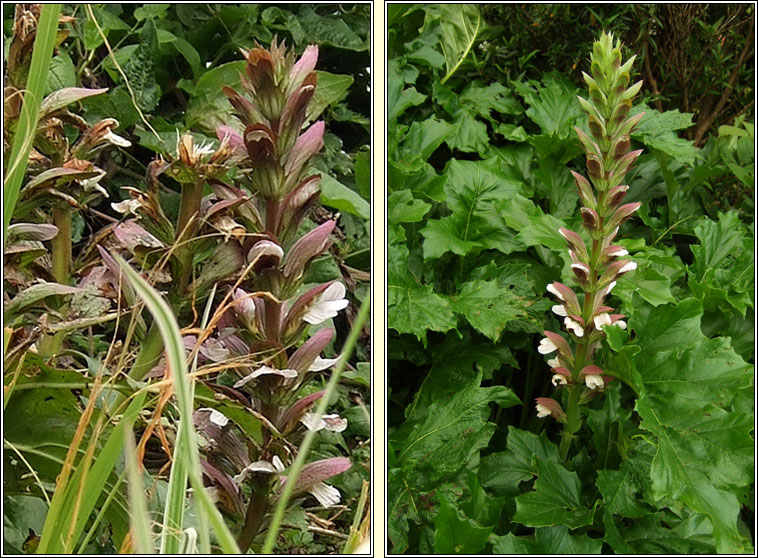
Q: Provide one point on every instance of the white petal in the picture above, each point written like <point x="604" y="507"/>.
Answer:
<point x="256" y="467"/>
<point x="322" y="364"/>
<point x="263" y="370"/>
<point x="622" y="252"/>
<point x="573" y="325"/>
<point x="546" y="346"/>
<point x="335" y="423"/>
<point x="312" y="422"/>
<point x="553" y="290"/>
<point x="278" y="465"/>
<point x="610" y="287"/>
<point x="559" y="379"/>
<point x="593" y="381"/>
<point x="554" y="362"/>
<point x="115" y="139"/>
<point x="559" y="310"/>
<point x="542" y="411"/>
<point x="321" y="310"/>
<point x="621" y="324"/>
<point x="326" y="494"/>
<point x="629" y="266"/>
<point x="218" y="418"/>
<point x="601" y="320"/>
<point x="127" y="206"/>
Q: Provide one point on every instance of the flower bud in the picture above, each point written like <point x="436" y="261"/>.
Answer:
<point x="302" y="359"/>
<point x="615" y="196"/>
<point x="575" y="242"/>
<point x="585" y="190"/>
<point x="590" y="219"/>
<point x="621" y="214"/>
<point x="307" y="248"/>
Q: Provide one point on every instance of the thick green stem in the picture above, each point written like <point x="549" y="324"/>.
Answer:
<point x="149" y="354"/>
<point x="573" y="421"/>
<point x="256" y="511"/>
<point x="189" y="206"/>
<point x="61" y="243"/>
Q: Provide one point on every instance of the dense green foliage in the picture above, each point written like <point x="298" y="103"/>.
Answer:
<point x="480" y="150"/>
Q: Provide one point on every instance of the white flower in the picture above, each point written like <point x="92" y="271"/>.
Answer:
<point x="335" y="423"/>
<point x="629" y="266"/>
<point x="546" y="346"/>
<point x="218" y="418"/>
<point x="593" y="381"/>
<point x="115" y="139"/>
<point x="326" y="494"/>
<point x="601" y="320"/>
<point x="327" y="304"/>
<point x="609" y="288"/>
<point x="574" y="326"/>
<point x="542" y="411"/>
<point x="554" y="362"/>
<point x="620" y="323"/>
<point x="553" y="290"/>
<point x="559" y="379"/>
<point x="560" y="310"/>
<point x="257" y="467"/>
<point x="622" y="252"/>
<point x="127" y="206"/>
<point x="322" y="364"/>
<point x="263" y="370"/>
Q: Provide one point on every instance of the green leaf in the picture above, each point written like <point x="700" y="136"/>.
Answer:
<point x="503" y="471"/>
<point x="422" y="139"/>
<point x="399" y="99"/>
<point x="403" y="208"/>
<point x="649" y="283"/>
<point x="657" y="130"/>
<point x="481" y="507"/>
<point x="411" y="306"/>
<point x="330" y="89"/>
<point x="488" y="307"/>
<point x="62" y="73"/>
<point x="460" y="25"/>
<point x="718" y="241"/>
<point x="22" y="514"/>
<point x="440" y="444"/>
<point x="208" y="106"/>
<point x="337" y="195"/>
<point x="557" y="540"/>
<point x="556" y="499"/>
<point x="456" y="535"/>
<point x="472" y="189"/>
<point x="686" y="385"/>
<point x="552" y="107"/>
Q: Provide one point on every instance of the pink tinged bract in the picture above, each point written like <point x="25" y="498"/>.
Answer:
<point x="303" y="67"/>
<point x="547" y="406"/>
<point x="306" y="145"/>
<point x="319" y="471"/>
<point x="302" y="359"/>
<point x="306" y="248"/>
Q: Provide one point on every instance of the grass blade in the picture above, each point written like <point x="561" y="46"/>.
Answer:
<point x="139" y="518"/>
<point x="47" y="31"/>
<point x="177" y="363"/>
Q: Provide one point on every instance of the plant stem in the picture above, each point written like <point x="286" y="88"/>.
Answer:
<point x="573" y="421"/>
<point x="189" y="206"/>
<point x="149" y="354"/>
<point x="61" y="243"/>
<point x="256" y="510"/>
